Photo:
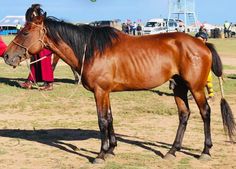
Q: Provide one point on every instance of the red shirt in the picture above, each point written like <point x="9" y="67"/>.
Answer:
<point x="3" y="47"/>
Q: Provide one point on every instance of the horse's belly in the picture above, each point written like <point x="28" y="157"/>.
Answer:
<point x="143" y="80"/>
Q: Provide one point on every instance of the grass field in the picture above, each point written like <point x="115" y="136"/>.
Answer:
<point x="58" y="129"/>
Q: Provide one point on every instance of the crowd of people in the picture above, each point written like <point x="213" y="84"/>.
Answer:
<point x="132" y="28"/>
<point x="227" y="26"/>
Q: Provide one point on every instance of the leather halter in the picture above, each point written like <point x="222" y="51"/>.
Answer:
<point x="43" y="32"/>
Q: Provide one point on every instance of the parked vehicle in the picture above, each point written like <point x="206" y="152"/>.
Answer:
<point x="232" y="30"/>
<point x="160" y="25"/>
<point x="113" y="23"/>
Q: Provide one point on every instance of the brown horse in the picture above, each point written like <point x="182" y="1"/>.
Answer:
<point x="111" y="61"/>
<point x="54" y="64"/>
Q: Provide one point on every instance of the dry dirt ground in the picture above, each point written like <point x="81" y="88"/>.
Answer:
<point x="142" y="140"/>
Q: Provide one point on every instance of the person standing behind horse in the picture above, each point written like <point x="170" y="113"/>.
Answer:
<point x="226" y="29"/>
<point x="40" y="71"/>
<point x="3" y="47"/>
<point x="202" y="35"/>
<point x="18" y="27"/>
<point x="139" y="29"/>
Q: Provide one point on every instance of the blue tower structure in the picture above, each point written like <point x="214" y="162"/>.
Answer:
<point x="183" y="10"/>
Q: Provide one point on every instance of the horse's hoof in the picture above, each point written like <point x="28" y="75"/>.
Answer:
<point x="98" y="161"/>
<point x="109" y="155"/>
<point x="205" y="157"/>
<point x="169" y="156"/>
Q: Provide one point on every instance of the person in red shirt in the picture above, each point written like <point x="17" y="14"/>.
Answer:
<point x="3" y="47"/>
<point x="41" y="71"/>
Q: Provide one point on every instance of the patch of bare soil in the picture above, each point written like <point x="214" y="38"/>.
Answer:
<point x="142" y="141"/>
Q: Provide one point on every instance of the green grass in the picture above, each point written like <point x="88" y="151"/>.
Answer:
<point x="225" y="46"/>
<point x="8" y="39"/>
<point x="184" y="164"/>
<point x="229" y="67"/>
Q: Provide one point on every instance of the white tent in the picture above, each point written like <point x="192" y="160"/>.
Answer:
<point x="12" y="21"/>
<point x="8" y="24"/>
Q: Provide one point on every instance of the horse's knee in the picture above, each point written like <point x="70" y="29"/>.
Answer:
<point x="183" y="117"/>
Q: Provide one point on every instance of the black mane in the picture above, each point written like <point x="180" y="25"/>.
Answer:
<point x="77" y="36"/>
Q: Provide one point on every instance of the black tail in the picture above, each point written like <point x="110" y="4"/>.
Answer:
<point x="228" y="119"/>
<point x="216" y="66"/>
<point x="226" y="112"/>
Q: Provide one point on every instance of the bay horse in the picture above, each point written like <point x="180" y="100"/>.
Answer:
<point x="55" y="60"/>
<point x="111" y="61"/>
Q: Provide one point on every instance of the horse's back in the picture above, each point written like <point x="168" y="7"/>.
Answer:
<point x="135" y="63"/>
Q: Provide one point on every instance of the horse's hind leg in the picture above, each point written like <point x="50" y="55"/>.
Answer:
<point x="180" y="94"/>
<point x="205" y="111"/>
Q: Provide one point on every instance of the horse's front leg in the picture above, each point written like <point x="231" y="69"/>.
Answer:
<point x="111" y="133"/>
<point x="105" y="124"/>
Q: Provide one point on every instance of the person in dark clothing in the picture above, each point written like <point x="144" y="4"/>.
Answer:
<point x="139" y="29"/>
<point x="202" y="33"/>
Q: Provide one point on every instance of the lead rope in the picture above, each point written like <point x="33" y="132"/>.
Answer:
<point x="81" y="72"/>
<point x="38" y="60"/>
<point x="82" y="65"/>
<point x="34" y="80"/>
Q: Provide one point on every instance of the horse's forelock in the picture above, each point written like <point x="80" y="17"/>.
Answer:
<point x="34" y="10"/>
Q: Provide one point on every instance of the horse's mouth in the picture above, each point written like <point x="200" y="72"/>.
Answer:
<point x="13" y="61"/>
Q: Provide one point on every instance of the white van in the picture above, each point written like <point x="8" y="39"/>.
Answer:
<point x="159" y="25"/>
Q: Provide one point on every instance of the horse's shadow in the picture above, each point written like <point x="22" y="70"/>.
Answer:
<point x="15" y="81"/>
<point x="56" y="138"/>
<point x="231" y="76"/>
<point x="161" y="93"/>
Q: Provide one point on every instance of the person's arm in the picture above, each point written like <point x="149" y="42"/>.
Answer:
<point x="3" y="47"/>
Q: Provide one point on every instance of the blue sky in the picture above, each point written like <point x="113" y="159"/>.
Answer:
<point x="211" y="11"/>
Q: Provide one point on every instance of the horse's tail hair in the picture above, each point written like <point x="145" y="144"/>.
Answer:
<point x="216" y="66"/>
<point x="227" y="115"/>
<point x="226" y="112"/>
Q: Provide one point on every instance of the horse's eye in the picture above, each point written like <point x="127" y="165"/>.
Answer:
<point x="25" y="33"/>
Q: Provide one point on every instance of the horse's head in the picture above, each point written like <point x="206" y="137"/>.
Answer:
<point x="30" y="40"/>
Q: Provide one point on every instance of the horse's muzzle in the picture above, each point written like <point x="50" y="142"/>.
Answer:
<point x="12" y="61"/>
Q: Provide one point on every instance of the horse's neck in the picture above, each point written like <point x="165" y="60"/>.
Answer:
<point x="66" y="54"/>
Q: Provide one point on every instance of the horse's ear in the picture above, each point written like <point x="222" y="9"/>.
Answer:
<point x="45" y="14"/>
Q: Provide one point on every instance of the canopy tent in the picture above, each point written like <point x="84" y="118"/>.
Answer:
<point x="8" y="24"/>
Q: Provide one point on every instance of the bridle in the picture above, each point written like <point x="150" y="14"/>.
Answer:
<point x="43" y="31"/>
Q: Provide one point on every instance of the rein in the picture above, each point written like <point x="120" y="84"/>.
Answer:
<point x="82" y="64"/>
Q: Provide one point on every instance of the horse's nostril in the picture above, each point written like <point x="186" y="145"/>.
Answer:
<point x="6" y="56"/>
